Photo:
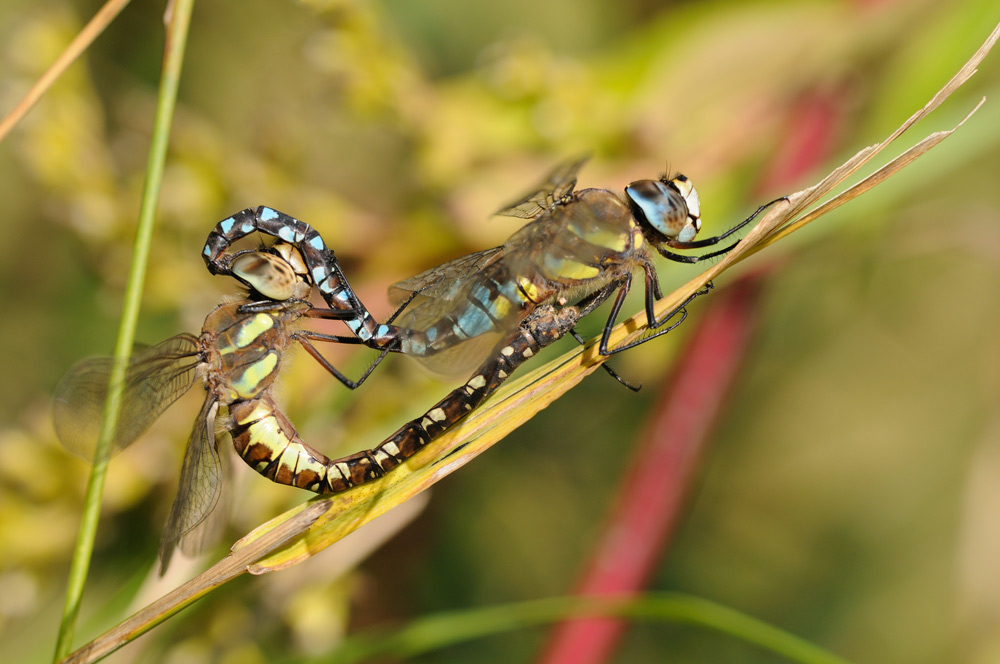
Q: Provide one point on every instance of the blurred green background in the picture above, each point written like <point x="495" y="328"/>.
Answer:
<point x="850" y="494"/>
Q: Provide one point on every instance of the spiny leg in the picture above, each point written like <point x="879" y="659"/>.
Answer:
<point x="611" y="372"/>
<point x="652" y="295"/>
<point x="401" y="307"/>
<point x="711" y="241"/>
<point x="271" y="306"/>
<point x="304" y="337"/>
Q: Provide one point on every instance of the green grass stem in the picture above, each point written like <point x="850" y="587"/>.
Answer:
<point x="177" y="23"/>
<point x="447" y="629"/>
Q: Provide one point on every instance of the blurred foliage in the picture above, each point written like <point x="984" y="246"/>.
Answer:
<point x="850" y="494"/>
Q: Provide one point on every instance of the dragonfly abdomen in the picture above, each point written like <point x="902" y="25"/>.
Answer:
<point x="269" y="444"/>
<point x="544" y="327"/>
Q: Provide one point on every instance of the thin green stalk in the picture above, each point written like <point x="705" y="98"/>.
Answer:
<point x="446" y="629"/>
<point x="178" y="19"/>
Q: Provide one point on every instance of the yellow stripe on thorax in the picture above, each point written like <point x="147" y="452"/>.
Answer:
<point x="249" y="331"/>
<point x="602" y="236"/>
<point x="248" y="383"/>
<point x="567" y="268"/>
<point x="529" y="288"/>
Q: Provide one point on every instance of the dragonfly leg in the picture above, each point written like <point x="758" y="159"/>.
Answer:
<point x="613" y="316"/>
<point x="334" y="338"/>
<point x="711" y="241"/>
<point x="652" y="295"/>
<point x="388" y="340"/>
<point x="402" y="306"/>
<point x="611" y="372"/>
<point x="273" y="306"/>
<point x="303" y="337"/>
<point x="681" y="258"/>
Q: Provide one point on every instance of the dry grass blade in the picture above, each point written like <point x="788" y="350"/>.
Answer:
<point x="225" y="570"/>
<point x="318" y="523"/>
<point x="864" y="185"/>
<point x="80" y="43"/>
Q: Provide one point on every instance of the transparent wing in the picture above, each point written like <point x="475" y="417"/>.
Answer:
<point x="199" y="489"/>
<point x="443" y="291"/>
<point x="554" y="190"/>
<point x="443" y="282"/>
<point x="155" y="378"/>
<point x="556" y="242"/>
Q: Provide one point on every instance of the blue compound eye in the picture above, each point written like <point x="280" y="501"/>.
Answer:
<point x="670" y="207"/>
<point x="661" y="207"/>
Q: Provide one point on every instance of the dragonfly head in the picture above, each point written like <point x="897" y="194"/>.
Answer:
<point x="278" y="274"/>
<point x="667" y="209"/>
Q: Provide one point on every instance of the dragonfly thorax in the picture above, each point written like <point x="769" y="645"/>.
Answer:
<point x="667" y="209"/>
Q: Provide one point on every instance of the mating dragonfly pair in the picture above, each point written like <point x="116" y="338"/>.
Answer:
<point x="499" y="307"/>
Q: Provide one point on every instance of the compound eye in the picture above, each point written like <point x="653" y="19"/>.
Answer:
<point x="267" y="274"/>
<point x="661" y="207"/>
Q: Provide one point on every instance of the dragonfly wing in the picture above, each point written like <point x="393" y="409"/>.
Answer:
<point x="558" y="185"/>
<point x="156" y="377"/>
<point x="199" y="489"/>
<point x="463" y="357"/>
<point x="442" y="292"/>
<point x="443" y="281"/>
<point x="569" y="243"/>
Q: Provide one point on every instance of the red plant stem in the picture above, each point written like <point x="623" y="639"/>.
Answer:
<point x="812" y="133"/>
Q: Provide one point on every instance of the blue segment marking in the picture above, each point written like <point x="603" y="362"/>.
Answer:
<point x="267" y="214"/>
<point x="316" y="243"/>
<point x="227" y="225"/>
<point x="208" y="250"/>
<point x="286" y="234"/>
<point x="472" y="323"/>
<point x="413" y="346"/>
<point x="319" y="274"/>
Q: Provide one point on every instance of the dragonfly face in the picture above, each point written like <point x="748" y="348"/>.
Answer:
<point x="278" y="276"/>
<point x="667" y="209"/>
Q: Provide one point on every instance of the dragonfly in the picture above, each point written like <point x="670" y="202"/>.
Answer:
<point x="578" y="244"/>
<point x="579" y="249"/>
<point x="237" y="356"/>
